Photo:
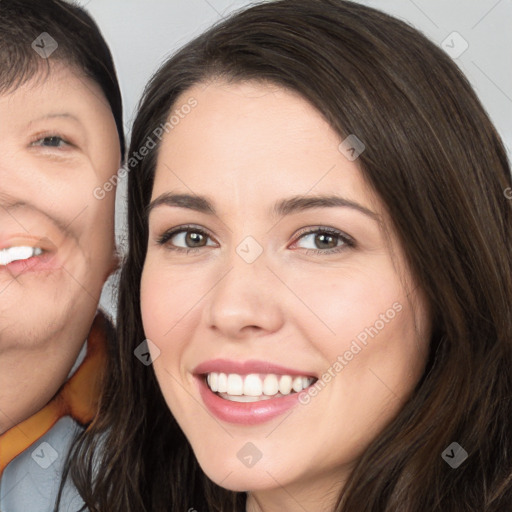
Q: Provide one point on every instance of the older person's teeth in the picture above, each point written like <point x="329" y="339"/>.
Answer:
<point x="270" y="385"/>
<point x="253" y="385"/>
<point x="18" y="253"/>
<point x="285" y="385"/>
<point x="222" y="383"/>
<point x="235" y="384"/>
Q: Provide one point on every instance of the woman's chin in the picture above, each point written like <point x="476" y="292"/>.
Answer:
<point x="245" y="479"/>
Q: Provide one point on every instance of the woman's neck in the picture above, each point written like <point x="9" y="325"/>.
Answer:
<point x="313" y="498"/>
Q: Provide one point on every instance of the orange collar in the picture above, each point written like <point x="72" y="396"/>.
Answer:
<point x="77" y="398"/>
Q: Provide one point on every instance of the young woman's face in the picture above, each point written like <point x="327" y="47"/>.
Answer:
<point x="58" y="142"/>
<point x="287" y="330"/>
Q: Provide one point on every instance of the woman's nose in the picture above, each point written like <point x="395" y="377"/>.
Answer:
<point x="246" y="301"/>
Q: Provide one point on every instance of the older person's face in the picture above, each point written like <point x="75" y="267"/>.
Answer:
<point x="289" y="327"/>
<point x="58" y="142"/>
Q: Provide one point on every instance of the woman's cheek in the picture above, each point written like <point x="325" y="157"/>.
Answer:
<point x="345" y="304"/>
<point x="168" y="297"/>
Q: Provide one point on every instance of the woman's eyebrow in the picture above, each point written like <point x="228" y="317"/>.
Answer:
<point x="300" y="203"/>
<point x="281" y="208"/>
<point x="189" y="201"/>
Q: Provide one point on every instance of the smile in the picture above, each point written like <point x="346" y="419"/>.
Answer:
<point x="255" y="387"/>
<point x="27" y="255"/>
<point x="249" y="392"/>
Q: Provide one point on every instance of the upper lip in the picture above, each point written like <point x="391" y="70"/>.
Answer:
<point x="246" y="368"/>
<point x="6" y="242"/>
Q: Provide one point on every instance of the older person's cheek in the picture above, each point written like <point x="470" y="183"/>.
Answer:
<point x="56" y="237"/>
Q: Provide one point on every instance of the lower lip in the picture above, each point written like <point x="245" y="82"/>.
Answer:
<point x="245" y="413"/>
<point x="44" y="262"/>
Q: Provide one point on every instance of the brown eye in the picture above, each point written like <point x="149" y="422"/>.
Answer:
<point x="186" y="238"/>
<point x="195" y="239"/>
<point x="323" y="240"/>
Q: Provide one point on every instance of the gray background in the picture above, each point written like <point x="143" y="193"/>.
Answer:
<point x="143" y="33"/>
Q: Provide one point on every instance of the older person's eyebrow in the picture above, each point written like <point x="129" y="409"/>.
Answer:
<point x="191" y="202"/>
<point x="301" y="203"/>
<point x="55" y="115"/>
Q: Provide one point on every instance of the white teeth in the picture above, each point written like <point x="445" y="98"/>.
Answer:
<point x="222" y="383"/>
<point x="241" y="398"/>
<point x="213" y="380"/>
<point x="253" y="387"/>
<point x="235" y="384"/>
<point x="297" y="384"/>
<point x="285" y="385"/>
<point x="270" y="385"/>
<point x="18" y="253"/>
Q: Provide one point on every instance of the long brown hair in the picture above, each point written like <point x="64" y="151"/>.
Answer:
<point x="439" y="167"/>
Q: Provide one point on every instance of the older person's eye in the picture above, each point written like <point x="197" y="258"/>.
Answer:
<point x="186" y="238"/>
<point x="51" y="141"/>
<point x="323" y="240"/>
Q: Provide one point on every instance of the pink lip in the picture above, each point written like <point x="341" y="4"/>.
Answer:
<point x="244" y="413"/>
<point x="44" y="262"/>
<point x="47" y="261"/>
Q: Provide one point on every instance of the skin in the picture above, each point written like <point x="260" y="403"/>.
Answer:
<point x="46" y="198"/>
<point x="245" y="147"/>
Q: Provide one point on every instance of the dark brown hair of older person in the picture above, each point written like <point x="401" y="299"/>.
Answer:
<point x="435" y="160"/>
<point x="80" y="45"/>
